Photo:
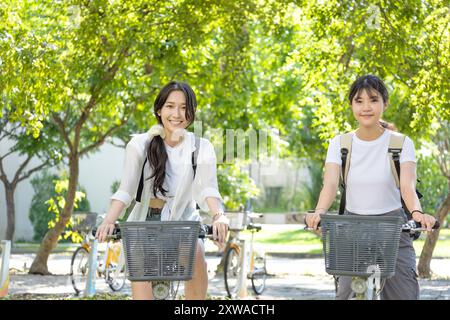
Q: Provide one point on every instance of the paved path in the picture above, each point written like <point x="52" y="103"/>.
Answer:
<point x="300" y="279"/>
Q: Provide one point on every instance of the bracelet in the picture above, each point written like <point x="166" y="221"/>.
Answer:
<point x="412" y="212"/>
<point x="218" y="214"/>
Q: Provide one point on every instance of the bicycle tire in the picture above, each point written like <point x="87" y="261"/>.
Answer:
<point x="79" y="269"/>
<point x="259" y="275"/>
<point x="231" y="271"/>
<point x="115" y="284"/>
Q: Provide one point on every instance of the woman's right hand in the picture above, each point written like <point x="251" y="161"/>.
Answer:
<point x="312" y="220"/>
<point x="104" y="230"/>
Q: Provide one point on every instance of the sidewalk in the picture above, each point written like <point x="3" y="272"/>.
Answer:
<point x="299" y="279"/>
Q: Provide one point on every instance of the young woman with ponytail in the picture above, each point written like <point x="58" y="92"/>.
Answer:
<point x="170" y="188"/>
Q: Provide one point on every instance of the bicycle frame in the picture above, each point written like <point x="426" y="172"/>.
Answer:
<point x="365" y="288"/>
<point x="244" y="249"/>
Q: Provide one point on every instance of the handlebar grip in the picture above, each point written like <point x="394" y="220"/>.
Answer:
<point x="205" y="231"/>
<point x="116" y="234"/>
<point x="436" y="225"/>
<point x="252" y="226"/>
<point x="311" y="229"/>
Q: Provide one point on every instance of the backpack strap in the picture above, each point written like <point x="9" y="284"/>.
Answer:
<point x="194" y="167"/>
<point x="395" y="149"/>
<point x="346" y="151"/>
<point x="194" y="161"/>
<point x="195" y="154"/>
<point x="141" y="183"/>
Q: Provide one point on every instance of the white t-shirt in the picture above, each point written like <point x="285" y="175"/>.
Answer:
<point x="371" y="187"/>
<point x="174" y="169"/>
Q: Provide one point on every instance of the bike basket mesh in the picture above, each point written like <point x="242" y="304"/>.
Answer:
<point x="353" y="245"/>
<point x="160" y="250"/>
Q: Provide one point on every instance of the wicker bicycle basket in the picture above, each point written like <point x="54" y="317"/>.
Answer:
<point x="160" y="250"/>
<point x="355" y="245"/>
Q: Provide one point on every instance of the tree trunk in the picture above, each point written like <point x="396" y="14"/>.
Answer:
<point x="10" y="209"/>
<point x="430" y="242"/>
<point x="39" y="265"/>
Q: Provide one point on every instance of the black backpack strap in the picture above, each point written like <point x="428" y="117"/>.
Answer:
<point x="195" y="154"/>
<point x="141" y="183"/>
<point x="396" y="158"/>
<point x="344" y="154"/>
<point x="194" y="160"/>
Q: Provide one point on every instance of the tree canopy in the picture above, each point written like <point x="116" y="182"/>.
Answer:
<point x="88" y="71"/>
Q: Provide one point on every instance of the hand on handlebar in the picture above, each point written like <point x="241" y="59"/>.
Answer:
<point x="104" y="230"/>
<point x="312" y="221"/>
<point x="426" y="221"/>
<point x="219" y="231"/>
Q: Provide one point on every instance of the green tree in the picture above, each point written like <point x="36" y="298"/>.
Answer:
<point x="235" y="185"/>
<point x="98" y="63"/>
<point x="44" y="208"/>
<point x="404" y="43"/>
<point x="28" y="149"/>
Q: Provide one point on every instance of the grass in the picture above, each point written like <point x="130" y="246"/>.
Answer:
<point x="442" y="249"/>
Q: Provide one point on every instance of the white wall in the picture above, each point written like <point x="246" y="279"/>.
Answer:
<point x="97" y="173"/>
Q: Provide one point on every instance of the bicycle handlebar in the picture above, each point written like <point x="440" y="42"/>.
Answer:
<point x="411" y="226"/>
<point x="205" y="232"/>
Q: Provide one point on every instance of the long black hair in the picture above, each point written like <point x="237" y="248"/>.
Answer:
<point x="370" y="83"/>
<point x="156" y="153"/>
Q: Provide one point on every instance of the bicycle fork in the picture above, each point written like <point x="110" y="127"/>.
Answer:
<point x="365" y="287"/>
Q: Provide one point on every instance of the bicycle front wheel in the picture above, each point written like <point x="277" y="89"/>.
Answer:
<point x="116" y="278"/>
<point x="231" y="271"/>
<point x="79" y="269"/>
<point x="259" y="275"/>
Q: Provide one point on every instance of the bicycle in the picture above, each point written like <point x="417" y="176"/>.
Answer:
<point x="364" y="247"/>
<point x="234" y="256"/>
<point x="110" y="265"/>
<point x="161" y="252"/>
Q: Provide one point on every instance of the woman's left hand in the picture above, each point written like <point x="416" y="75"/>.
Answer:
<point x="220" y="230"/>
<point x="427" y="221"/>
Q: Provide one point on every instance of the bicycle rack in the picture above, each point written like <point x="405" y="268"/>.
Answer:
<point x="92" y="270"/>
<point x="242" y="282"/>
<point x="5" y="250"/>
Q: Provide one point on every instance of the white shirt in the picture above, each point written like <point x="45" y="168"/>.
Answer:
<point x="174" y="169"/>
<point x="371" y="187"/>
<point x="183" y="190"/>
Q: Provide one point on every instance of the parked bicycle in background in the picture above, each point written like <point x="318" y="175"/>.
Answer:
<point x="110" y="263"/>
<point x="238" y="262"/>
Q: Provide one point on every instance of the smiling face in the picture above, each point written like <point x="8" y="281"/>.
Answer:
<point x="368" y="106"/>
<point x="173" y="112"/>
